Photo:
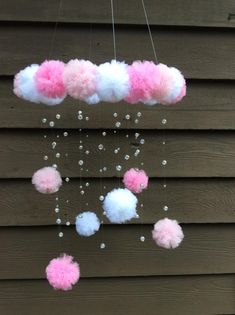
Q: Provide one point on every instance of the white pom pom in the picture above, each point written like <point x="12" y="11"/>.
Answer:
<point x="94" y="99"/>
<point x="24" y="87"/>
<point x="120" y="205"/>
<point x="113" y="81"/>
<point x="87" y="223"/>
<point x="177" y="83"/>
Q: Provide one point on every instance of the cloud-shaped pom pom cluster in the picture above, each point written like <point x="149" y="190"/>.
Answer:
<point x="142" y="81"/>
<point x="87" y="223"/>
<point x="62" y="272"/>
<point x="135" y="180"/>
<point x="47" y="180"/>
<point x="120" y="205"/>
<point x="167" y="233"/>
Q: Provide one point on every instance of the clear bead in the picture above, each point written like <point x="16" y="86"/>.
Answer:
<point x="87" y="152"/>
<point x="80" y="162"/>
<point x="57" y="116"/>
<point x="57" y="210"/>
<point x="136" y="121"/>
<point x="102" y="246"/>
<point x="68" y="223"/>
<point x="164" y="162"/>
<point x="139" y="114"/>
<point x="137" y="216"/>
<point x="87" y="184"/>
<point x="118" y="168"/>
<point x="115" y="114"/>
<point x="58" y="221"/>
<point x="104" y="133"/>
<point x="54" y="165"/>
<point x="100" y="146"/>
<point x="104" y="168"/>
<point x="142" y="141"/>
<point x="142" y="238"/>
<point x="53" y="145"/>
<point x="65" y="134"/>
<point x="44" y="120"/>
<point x="164" y="121"/>
<point x="127" y="157"/>
<point x="57" y="155"/>
<point x="127" y="117"/>
<point x="116" y="151"/>
<point x="118" y="124"/>
<point x="165" y="208"/>
<point x="137" y="135"/>
<point x="45" y="136"/>
<point x="101" y="197"/>
<point x="67" y="179"/>
<point x="51" y="124"/>
<point x="82" y="192"/>
<point x="80" y="147"/>
<point x="87" y="118"/>
<point x="80" y="112"/>
<point x="61" y="234"/>
<point x="45" y="157"/>
<point x="80" y="117"/>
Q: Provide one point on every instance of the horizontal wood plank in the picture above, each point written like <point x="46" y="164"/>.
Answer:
<point x="168" y="295"/>
<point x="190" y="200"/>
<point x="195" y="52"/>
<point x="160" y="12"/>
<point x="188" y="154"/>
<point x="208" y="105"/>
<point x="206" y="249"/>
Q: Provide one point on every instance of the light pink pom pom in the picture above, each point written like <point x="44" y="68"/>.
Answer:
<point x="167" y="233"/>
<point x="168" y="85"/>
<point x="135" y="180"/>
<point x="49" y="79"/>
<point x="62" y="273"/>
<point x="47" y="180"/>
<point x="141" y="76"/>
<point x="80" y="78"/>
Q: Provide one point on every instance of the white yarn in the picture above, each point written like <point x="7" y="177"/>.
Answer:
<point x="87" y="223"/>
<point x="120" y="205"/>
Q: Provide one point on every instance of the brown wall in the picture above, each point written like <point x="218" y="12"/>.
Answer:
<point x="128" y="277"/>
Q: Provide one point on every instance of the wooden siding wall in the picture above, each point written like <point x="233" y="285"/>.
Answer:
<point x="129" y="277"/>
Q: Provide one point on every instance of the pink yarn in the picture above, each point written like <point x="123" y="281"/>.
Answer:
<point x="62" y="273"/>
<point x="141" y="75"/>
<point x="135" y="180"/>
<point x="167" y="233"/>
<point x="49" y="79"/>
<point x="80" y="78"/>
<point x="47" y="180"/>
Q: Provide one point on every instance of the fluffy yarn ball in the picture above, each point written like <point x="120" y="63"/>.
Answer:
<point x="167" y="233"/>
<point x="120" y="205"/>
<point x="135" y="180"/>
<point x="169" y="85"/>
<point x="141" y="76"/>
<point x="25" y="88"/>
<point x="47" y="180"/>
<point x="87" y="223"/>
<point x="113" y="81"/>
<point x="62" y="272"/>
<point x="80" y="77"/>
<point x="49" y="79"/>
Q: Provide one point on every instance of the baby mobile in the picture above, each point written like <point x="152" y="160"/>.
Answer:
<point x="144" y="82"/>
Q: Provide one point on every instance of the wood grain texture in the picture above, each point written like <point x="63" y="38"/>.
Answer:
<point x="208" y="105"/>
<point x="206" y="249"/>
<point x="189" y="200"/>
<point x="188" y="154"/>
<point x="168" y="295"/>
<point x="195" y="52"/>
<point x="194" y="13"/>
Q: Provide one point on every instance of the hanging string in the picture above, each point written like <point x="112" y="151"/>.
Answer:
<point x="113" y="27"/>
<point x="55" y="29"/>
<point x="149" y="30"/>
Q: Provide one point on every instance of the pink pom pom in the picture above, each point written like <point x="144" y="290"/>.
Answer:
<point x="47" y="180"/>
<point x="168" y="85"/>
<point x="141" y="76"/>
<point x="167" y="233"/>
<point x="135" y="180"/>
<point x="80" y="78"/>
<point x="49" y="79"/>
<point x="62" y="273"/>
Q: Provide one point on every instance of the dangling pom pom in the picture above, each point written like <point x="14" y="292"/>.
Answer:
<point x="167" y="233"/>
<point x="120" y="205"/>
<point x="169" y="85"/>
<point x="80" y="77"/>
<point x="47" y="180"/>
<point x="135" y="180"/>
<point x="49" y="79"/>
<point x="87" y="223"/>
<point x="141" y="75"/>
<point x="62" y="273"/>
<point x="113" y="81"/>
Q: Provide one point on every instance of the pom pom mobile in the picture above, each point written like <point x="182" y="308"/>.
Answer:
<point x="146" y="82"/>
